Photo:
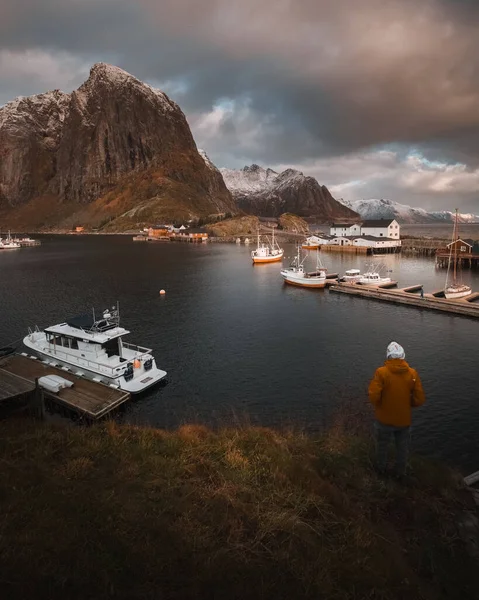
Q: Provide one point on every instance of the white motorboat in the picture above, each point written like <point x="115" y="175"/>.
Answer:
<point x="297" y="275"/>
<point x="456" y="289"/>
<point x="267" y="253"/>
<point x="94" y="348"/>
<point x="375" y="275"/>
<point x="352" y="276"/>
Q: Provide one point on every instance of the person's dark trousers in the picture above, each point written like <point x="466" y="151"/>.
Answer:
<point x="402" y="437"/>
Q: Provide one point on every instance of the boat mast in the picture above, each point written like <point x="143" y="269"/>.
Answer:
<point x="455" y="249"/>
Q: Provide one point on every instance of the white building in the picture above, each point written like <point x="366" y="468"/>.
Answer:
<point x="344" y="229"/>
<point x="387" y="228"/>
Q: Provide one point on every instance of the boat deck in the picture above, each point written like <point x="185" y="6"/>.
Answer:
<point x="86" y="398"/>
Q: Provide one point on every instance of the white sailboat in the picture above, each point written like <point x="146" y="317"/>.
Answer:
<point x="94" y="348"/>
<point x="456" y="289"/>
<point x="267" y="253"/>
<point x="297" y="275"/>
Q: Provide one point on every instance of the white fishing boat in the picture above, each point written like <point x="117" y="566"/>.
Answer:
<point x="455" y="289"/>
<point x="297" y="275"/>
<point x="94" y="348"/>
<point x="267" y="252"/>
<point x="8" y="243"/>
<point x="352" y="276"/>
<point x="311" y="243"/>
<point x="375" y="275"/>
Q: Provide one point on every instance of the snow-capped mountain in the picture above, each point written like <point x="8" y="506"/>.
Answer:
<point x="266" y="193"/>
<point x="387" y="209"/>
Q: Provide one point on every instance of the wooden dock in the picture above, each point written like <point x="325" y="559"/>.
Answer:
<point x="409" y="297"/>
<point x="85" y="398"/>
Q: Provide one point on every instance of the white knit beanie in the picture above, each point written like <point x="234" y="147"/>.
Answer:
<point x="395" y="351"/>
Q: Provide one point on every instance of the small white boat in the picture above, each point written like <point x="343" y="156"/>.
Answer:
<point x="267" y="253"/>
<point x="456" y="289"/>
<point x="8" y="243"/>
<point x="311" y="243"/>
<point x="375" y="275"/>
<point x="351" y="276"/>
<point x="94" y="348"/>
<point x="297" y="275"/>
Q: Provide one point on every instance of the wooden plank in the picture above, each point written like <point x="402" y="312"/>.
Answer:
<point x="399" y="297"/>
<point x="85" y="397"/>
<point x="472" y="479"/>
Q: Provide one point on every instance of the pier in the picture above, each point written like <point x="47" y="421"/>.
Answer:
<point x="409" y="296"/>
<point x="18" y="374"/>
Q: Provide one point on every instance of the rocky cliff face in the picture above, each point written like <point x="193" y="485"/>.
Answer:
<point x="115" y="143"/>
<point x="266" y="193"/>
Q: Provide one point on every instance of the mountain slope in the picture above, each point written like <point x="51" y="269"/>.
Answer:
<point x="265" y="193"/>
<point x="387" y="209"/>
<point x="113" y="149"/>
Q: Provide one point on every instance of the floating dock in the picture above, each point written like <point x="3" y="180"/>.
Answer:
<point x="85" y="398"/>
<point x="409" y="297"/>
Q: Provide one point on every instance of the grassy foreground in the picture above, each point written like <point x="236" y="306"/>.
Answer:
<point x="117" y="511"/>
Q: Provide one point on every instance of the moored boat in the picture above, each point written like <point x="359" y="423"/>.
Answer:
<point x="456" y="289"/>
<point x="296" y="274"/>
<point x="375" y="275"/>
<point x="8" y="243"/>
<point x="94" y="348"/>
<point x="351" y="276"/>
<point x="267" y="252"/>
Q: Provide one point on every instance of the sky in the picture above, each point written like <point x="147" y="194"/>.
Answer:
<point x="374" y="98"/>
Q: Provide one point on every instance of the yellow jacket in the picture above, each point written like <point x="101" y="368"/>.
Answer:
<point x="394" y="390"/>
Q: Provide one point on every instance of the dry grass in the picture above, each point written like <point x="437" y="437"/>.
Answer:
<point x="127" y="512"/>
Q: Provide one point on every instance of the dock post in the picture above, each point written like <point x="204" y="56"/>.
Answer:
<point x="39" y="401"/>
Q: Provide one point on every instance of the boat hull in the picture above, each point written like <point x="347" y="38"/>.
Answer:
<point x="458" y="293"/>
<point x="306" y="247"/>
<point x="307" y="282"/>
<point x="135" y="386"/>
<point x="267" y="259"/>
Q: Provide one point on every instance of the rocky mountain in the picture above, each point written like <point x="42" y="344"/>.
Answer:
<point x="114" y="153"/>
<point x="387" y="209"/>
<point x="266" y="193"/>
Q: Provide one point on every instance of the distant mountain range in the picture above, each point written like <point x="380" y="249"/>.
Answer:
<point x="266" y="193"/>
<point x="387" y="209"/>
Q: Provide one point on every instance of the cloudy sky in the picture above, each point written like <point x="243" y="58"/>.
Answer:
<point x="375" y="98"/>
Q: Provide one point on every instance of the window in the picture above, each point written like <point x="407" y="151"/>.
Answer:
<point x="463" y="248"/>
<point x="381" y="234"/>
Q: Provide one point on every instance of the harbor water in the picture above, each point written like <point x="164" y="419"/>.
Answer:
<point x="240" y="346"/>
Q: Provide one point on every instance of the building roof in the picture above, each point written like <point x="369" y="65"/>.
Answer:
<point x="343" y="224"/>
<point x="378" y="223"/>
<point x="459" y="240"/>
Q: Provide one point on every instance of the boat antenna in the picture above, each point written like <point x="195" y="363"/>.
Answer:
<point x="456" y="237"/>
<point x="93" y="310"/>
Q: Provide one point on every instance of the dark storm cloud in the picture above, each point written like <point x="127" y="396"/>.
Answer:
<point x="275" y="82"/>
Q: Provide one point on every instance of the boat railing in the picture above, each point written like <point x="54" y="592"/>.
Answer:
<point x="139" y="349"/>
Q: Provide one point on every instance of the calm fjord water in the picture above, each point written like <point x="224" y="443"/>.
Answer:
<point x="235" y="341"/>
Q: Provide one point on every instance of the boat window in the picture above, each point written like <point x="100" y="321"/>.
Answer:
<point x="112" y="347"/>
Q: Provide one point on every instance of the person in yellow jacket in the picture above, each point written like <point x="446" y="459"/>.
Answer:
<point x="394" y="391"/>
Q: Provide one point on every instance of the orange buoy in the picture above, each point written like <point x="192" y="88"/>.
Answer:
<point x="162" y="292"/>
<point x="136" y="363"/>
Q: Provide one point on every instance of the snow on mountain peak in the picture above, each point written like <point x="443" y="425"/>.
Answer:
<point x="380" y="208"/>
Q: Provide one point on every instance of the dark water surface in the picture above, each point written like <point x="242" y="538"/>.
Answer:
<point x="236" y="342"/>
